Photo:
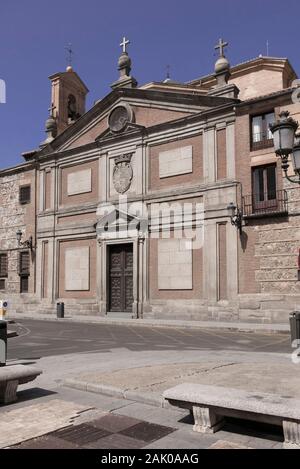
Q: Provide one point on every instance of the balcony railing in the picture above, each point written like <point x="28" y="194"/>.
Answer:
<point x="260" y="205"/>
<point x="260" y="141"/>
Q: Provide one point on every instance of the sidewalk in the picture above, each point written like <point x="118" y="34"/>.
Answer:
<point x="146" y="384"/>
<point x="119" y="321"/>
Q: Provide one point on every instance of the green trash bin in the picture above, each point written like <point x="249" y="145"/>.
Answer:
<point x="295" y="326"/>
<point x="3" y="342"/>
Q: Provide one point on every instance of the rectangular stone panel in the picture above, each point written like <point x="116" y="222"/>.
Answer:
<point x="80" y="182"/>
<point x="175" y="265"/>
<point x="77" y="269"/>
<point x="177" y="161"/>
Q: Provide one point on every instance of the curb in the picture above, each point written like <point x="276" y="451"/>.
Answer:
<point x="257" y="329"/>
<point x="148" y="398"/>
<point x="11" y="334"/>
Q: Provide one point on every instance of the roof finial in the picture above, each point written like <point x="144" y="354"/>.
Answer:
<point x="70" y="54"/>
<point x="124" y="66"/>
<point x="222" y="66"/>
<point x="124" y="44"/>
<point x="168" y="72"/>
<point x="221" y="45"/>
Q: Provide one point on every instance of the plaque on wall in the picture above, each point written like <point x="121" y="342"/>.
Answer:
<point x="122" y="173"/>
<point x="119" y="118"/>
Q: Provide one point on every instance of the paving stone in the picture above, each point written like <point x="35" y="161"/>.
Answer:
<point x="263" y="443"/>
<point x="36" y="420"/>
<point x="117" y="441"/>
<point x="46" y="442"/>
<point x="114" y="423"/>
<point x="147" y="431"/>
<point x="135" y="409"/>
<point x="170" y="419"/>
<point x="183" y="440"/>
<point x="222" y="444"/>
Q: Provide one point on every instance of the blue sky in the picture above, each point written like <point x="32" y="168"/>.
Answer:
<point x="34" y="34"/>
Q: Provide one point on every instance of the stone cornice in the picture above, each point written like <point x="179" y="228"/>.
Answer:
<point x="18" y="169"/>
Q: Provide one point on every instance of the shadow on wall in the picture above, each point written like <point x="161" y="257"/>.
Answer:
<point x="244" y="240"/>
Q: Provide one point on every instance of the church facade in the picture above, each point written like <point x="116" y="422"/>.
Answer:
<point x="126" y="209"/>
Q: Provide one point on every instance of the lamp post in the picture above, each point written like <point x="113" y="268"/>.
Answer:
<point x="287" y="143"/>
<point x="236" y="216"/>
<point x="28" y="243"/>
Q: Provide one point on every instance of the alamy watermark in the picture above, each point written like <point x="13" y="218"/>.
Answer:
<point x="2" y="92"/>
<point x="164" y="220"/>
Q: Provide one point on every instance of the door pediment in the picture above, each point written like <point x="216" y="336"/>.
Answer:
<point x="119" y="224"/>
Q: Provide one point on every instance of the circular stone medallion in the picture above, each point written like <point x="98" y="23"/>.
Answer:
<point x="118" y="119"/>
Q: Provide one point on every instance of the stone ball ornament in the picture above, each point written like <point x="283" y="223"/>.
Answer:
<point x="50" y="123"/>
<point x="124" y="61"/>
<point x="221" y="65"/>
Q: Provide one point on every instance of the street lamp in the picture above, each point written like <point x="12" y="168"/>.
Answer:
<point x="28" y="243"/>
<point x="287" y="143"/>
<point x="236" y="216"/>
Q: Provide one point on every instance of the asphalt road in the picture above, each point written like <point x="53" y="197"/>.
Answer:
<point x="45" y="338"/>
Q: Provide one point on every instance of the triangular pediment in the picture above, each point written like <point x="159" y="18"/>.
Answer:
<point x="115" y="220"/>
<point x="150" y="108"/>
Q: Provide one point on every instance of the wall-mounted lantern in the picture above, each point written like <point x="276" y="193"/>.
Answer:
<point x="28" y="243"/>
<point x="236" y="216"/>
<point x="286" y="143"/>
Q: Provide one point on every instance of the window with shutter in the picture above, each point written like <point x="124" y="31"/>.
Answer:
<point x="24" y="263"/>
<point x="24" y="270"/>
<point x="24" y="284"/>
<point x="3" y="265"/>
<point x="24" y="194"/>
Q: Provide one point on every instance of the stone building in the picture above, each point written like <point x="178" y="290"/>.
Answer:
<point x="123" y="209"/>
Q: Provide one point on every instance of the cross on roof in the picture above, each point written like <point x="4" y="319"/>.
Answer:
<point x="221" y="45"/>
<point x="124" y="43"/>
<point x="51" y="109"/>
<point x="70" y="53"/>
<point x="168" y="71"/>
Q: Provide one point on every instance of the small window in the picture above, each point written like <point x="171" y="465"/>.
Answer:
<point x="24" y="270"/>
<point x="3" y="265"/>
<point x="24" y="194"/>
<point x="261" y="135"/>
<point x="264" y="187"/>
<point x="24" y="284"/>
<point x="24" y="263"/>
<point x="2" y="283"/>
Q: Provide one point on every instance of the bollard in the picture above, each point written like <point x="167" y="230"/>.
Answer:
<point x="60" y="310"/>
<point x="3" y="342"/>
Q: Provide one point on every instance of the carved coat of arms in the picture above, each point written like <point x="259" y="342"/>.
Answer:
<point x="122" y="173"/>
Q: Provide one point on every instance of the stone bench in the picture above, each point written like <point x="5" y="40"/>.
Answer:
<point x="210" y="404"/>
<point x="10" y="378"/>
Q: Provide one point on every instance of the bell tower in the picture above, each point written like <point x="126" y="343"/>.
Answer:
<point x="68" y="93"/>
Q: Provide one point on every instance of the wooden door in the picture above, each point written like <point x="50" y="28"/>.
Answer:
<point x="120" y="277"/>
